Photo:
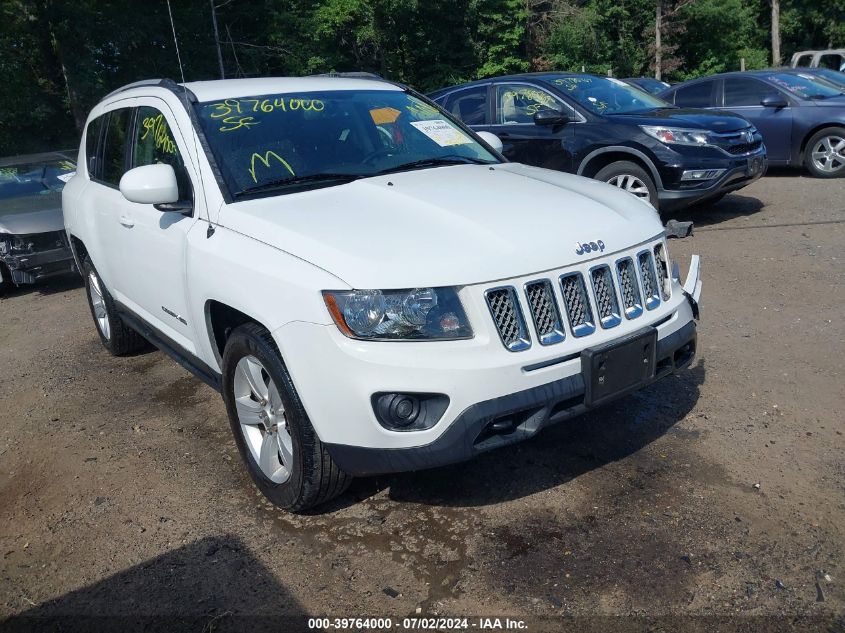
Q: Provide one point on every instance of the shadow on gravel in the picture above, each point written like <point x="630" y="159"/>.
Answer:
<point x="213" y="584"/>
<point x="730" y="207"/>
<point x="555" y="456"/>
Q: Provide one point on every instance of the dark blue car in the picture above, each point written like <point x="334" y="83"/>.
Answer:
<point x="802" y="121"/>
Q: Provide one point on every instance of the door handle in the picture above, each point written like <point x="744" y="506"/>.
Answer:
<point x="127" y="221"/>
<point x="503" y="135"/>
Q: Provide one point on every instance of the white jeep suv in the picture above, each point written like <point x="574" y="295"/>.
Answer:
<point x="368" y="283"/>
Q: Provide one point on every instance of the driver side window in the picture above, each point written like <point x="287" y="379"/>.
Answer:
<point x="153" y="143"/>
<point x="518" y="103"/>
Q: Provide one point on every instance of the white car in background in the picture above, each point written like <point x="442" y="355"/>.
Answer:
<point x="370" y="285"/>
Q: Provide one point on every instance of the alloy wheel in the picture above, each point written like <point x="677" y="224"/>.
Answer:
<point x="631" y="184"/>
<point x="829" y="154"/>
<point x="95" y="292"/>
<point x="262" y="419"/>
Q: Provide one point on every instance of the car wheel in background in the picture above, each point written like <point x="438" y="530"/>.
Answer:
<point x="117" y="337"/>
<point x="284" y="456"/>
<point x="630" y="177"/>
<point x="824" y="155"/>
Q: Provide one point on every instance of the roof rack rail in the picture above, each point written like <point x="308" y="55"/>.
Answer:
<point x="356" y="74"/>
<point x="164" y="83"/>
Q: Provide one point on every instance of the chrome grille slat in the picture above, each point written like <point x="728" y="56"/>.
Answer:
<point x="544" y="311"/>
<point x="607" y="305"/>
<point x="507" y="315"/>
<point x="648" y="278"/>
<point x="662" y="271"/>
<point x="629" y="288"/>
<point x="577" y="304"/>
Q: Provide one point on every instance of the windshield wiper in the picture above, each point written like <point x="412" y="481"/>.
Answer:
<point x="440" y="161"/>
<point x="281" y="183"/>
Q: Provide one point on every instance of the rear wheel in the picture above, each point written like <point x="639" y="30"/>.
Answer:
<point x="631" y="178"/>
<point x="117" y="337"/>
<point x="284" y="456"/>
<point x="824" y="155"/>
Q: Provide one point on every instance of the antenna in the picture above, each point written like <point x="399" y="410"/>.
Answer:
<point x="176" y="42"/>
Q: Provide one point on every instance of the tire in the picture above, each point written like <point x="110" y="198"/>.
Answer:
<point x="117" y="337"/>
<point x="631" y="178"/>
<point x="284" y="456"/>
<point x="5" y="279"/>
<point x="824" y="154"/>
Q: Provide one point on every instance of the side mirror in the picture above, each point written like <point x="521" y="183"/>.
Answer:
<point x="773" y="101"/>
<point x="552" y="117"/>
<point x="492" y="140"/>
<point x="153" y="184"/>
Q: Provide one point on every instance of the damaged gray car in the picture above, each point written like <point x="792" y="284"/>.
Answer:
<point x="33" y="242"/>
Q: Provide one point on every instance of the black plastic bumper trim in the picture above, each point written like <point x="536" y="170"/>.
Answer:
<point x="526" y="412"/>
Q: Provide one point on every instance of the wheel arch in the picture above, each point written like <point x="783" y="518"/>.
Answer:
<point x="813" y="131"/>
<point x="79" y="250"/>
<point x="220" y="320"/>
<point x="600" y="158"/>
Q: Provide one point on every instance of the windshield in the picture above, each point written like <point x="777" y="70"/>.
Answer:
<point x="802" y="86"/>
<point x="35" y="178"/>
<point x="286" y="142"/>
<point x="605" y="95"/>
<point x="830" y="76"/>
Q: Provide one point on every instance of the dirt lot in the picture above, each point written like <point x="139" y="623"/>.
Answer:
<point x="718" y="492"/>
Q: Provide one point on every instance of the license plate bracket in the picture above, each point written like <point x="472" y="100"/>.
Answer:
<point x="619" y="367"/>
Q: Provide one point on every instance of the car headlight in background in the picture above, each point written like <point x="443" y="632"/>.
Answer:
<point x="678" y="135"/>
<point x="413" y="314"/>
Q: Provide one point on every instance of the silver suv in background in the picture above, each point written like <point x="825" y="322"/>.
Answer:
<point x="33" y="242"/>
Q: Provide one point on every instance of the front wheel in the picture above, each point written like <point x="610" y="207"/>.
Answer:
<point x="5" y="279"/>
<point x="824" y="155"/>
<point x="284" y="456"/>
<point x="631" y="178"/>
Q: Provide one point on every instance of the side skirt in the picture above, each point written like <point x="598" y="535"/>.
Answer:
<point x="175" y="351"/>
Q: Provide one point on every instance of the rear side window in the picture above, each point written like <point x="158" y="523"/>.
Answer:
<point x="153" y="142"/>
<point x="698" y="95"/>
<point x="114" y="147"/>
<point x="92" y="146"/>
<point x="470" y="105"/>
<point x="517" y="103"/>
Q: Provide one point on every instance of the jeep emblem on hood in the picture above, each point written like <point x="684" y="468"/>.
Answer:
<point x="589" y="247"/>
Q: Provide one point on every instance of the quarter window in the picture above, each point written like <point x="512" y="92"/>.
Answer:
<point x="92" y="146"/>
<point x="114" y="147"/>
<point x="153" y="142"/>
<point x="470" y="105"/>
<point x="698" y="95"/>
<point x="518" y="103"/>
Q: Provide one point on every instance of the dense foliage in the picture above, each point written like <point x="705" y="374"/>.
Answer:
<point x="58" y="57"/>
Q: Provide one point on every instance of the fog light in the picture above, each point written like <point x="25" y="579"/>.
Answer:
<point x="409" y="411"/>
<point x="702" y="174"/>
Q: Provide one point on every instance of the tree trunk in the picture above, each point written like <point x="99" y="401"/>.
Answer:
<point x="775" y="32"/>
<point x="217" y="40"/>
<point x="658" y="46"/>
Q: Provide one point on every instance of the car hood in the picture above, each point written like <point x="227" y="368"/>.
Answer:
<point x="715" y="120"/>
<point x="447" y="226"/>
<point x="31" y="214"/>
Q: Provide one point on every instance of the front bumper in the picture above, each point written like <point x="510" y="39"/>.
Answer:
<point x="31" y="267"/>
<point x="739" y="172"/>
<point x="525" y="391"/>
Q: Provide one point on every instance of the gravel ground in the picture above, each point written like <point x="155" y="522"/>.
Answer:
<point x="717" y="493"/>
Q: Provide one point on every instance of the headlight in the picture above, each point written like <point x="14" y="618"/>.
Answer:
<point x="414" y="314"/>
<point x="678" y="135"/>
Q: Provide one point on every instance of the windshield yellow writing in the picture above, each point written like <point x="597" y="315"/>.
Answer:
<point x="234" y="113"/>
<point x="422" y="110"/>
<point x="571" y="83"/>
<point x="265" y="160"/>
<point x="161" y="135"/>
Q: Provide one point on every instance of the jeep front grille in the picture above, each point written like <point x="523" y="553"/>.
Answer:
<point x="606" y="304"/>
<point x="649" y="280"/>
<point x="577" y="304"/>
<point x="507" y="315"/>
<point x="632" y="303"/>
<point x="544" y="312"/>
<point x="662" y="271"/>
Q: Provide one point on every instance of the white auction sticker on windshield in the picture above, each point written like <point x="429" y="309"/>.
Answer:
<point x="441" y="132"/>
<point x="67" y="176"/>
